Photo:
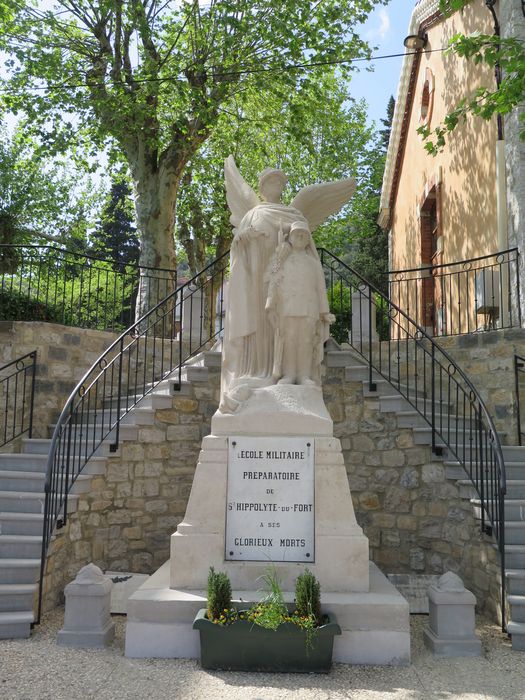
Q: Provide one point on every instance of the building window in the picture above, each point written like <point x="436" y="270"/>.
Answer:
<point x="427" y="98"/>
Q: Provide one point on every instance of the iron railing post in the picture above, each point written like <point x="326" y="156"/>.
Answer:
<point x="433" y="395"/>
<point x="32" y="400"/>
<point x="114" y="445"/>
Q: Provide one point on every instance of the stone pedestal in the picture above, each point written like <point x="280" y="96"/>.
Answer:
<point x="363" y="318"/>
<point x="452" y="621"/>
<point x="341" y="559"/>
<point x="373" y="616"/>
<point x="87" y="621"/>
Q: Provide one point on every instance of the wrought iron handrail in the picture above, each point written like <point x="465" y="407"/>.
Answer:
<point x="149" y="351"/>
<point x="17" y="393"/>
<point x="431" y="381"/>
<point x="73" y="288"/>
<point x="419" y="369"/>
<point x="519" y="370"/>
<point x="451" y="297"/>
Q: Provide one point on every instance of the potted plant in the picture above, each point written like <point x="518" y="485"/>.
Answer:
<point x="269" y="636"/>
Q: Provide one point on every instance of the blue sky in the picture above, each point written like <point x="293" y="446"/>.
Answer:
<point x="385" y="29"/>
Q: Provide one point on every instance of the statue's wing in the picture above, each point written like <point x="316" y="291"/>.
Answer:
<point x="239" y="195"/>
<point x="318" y="202"/>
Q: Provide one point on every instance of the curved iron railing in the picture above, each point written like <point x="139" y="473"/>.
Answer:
<point x="460" y="297"/>
<point x="17" y="396"/>
<point x="150" y="350"/>
<point x="46" y="283"/>
<point x="430" y="380"/>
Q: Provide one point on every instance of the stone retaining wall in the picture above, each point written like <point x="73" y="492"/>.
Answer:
<point x="64" y="354"/>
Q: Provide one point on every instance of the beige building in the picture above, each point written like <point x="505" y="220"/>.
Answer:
<point x="467" y="202"/>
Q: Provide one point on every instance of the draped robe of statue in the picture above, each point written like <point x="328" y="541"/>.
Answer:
<point x="248" y="354"/>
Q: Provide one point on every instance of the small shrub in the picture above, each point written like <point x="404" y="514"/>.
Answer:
<point x="308" y="596"/>
<point x="219" y="594"/>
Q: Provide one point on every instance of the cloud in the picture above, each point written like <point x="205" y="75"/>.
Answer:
<point x="380" y="32"/>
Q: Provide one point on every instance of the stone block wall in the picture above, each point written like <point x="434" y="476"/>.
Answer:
<point x="63" y="356"/>
<point x="488" y="361"/>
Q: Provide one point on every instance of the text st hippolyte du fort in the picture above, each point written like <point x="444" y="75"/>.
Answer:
<point x="270" y="499"/>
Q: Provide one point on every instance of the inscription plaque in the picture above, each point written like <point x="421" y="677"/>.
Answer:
<point x="270" y="510"/>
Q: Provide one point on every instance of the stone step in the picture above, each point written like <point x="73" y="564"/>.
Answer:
<point x="515" y="580"/>
<point x="514" y="532"/>
<point x="21" y="523"/>
<point x="41" y="446"/>
<point x="28" y="502"/>
<point x="94" y="432"/>
<point x="511" y="453"/>
<point x="212" y="358"/>
<point x="158" y="398"/>
<point x="413" y="419"/>
<point x="196" y="374"/>
<point x="396" y="402"/>
<point x="16" y="625"/>
<point x="515" y="471"/>
<point x="349" y="359"/>
<point x="517" y="607"/>
<point x="20" y="546"/>
<point x="515" y="489"/>
<point x="23" y="462"/>
<point x="517" y="633"/>
<point x="136" y="416"/>
<point x="17" y="597"/>
<point x="17" y="571"/>
<point x="385" y="388"/>
<point x="31" y="482"/>
<point x="515" y="556"/>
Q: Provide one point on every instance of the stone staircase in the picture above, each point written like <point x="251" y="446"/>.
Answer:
<point x="22" y="496"/>
<point x="514" y="456"/>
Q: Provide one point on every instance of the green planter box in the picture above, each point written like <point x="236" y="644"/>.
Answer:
<point x="244" y="646"/>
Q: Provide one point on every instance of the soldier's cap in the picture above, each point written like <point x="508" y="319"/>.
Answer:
<point x="299" y="226"/>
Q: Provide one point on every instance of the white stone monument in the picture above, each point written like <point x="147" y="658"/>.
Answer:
<point x="271" y="484"/>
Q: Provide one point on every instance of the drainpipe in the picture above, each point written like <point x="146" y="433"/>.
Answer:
<point x="501" y="186"/>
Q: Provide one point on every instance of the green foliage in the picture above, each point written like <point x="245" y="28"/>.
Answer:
<point x="219" y="594"/>
<point x="271" y="611"/>
<point x="151" y="82"/>
<point x="73" y="291"/>
<point x="115" y="236"/>
<point x="506" y="54"/>
<point x="340" y="302"/>
<point x="17" y="306"/>
<point x="41" y="199"/>
<point x="308" y="596"/>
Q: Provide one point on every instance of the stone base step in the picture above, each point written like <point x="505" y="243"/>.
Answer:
<point x="515" y="556"/>
<point x="20" y="546"/>
<point x="515" y="581"/>
<point x="24" y="462"/>
<point x="514" y="532"/>
<point x="17" y="597"/>
<point x="15" y="625"/>
<point x="14" y="571"/>
<point x="24" y="502"/>
<point x="517" y="633"/>
<point x="21" y="523"/>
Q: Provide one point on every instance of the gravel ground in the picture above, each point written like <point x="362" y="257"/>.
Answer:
<point x="37" y="668"/>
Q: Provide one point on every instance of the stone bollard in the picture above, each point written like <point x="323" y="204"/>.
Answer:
<point x="451" y="630"/>
<point x="87" y="622"/>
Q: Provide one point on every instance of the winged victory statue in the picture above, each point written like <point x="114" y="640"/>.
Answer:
<point x="261" y="227"/>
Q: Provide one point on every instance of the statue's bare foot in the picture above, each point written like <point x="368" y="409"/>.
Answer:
<point x="286" y="380"/>
<point x="306" y="381"/>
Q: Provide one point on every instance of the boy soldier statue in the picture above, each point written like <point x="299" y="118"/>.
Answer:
<point x="297" y="307"/>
